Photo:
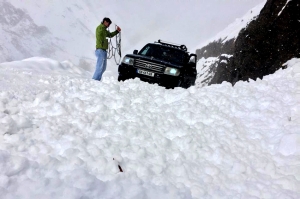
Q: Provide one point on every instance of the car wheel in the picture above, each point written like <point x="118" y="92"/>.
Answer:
<point x="186" y="84"/>
<point x="123" y="78"/>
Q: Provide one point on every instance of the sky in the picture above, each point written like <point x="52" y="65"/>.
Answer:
<point x="189" y="22"/>
<point x="64" y="135"/>
<point x="185" y="22"/>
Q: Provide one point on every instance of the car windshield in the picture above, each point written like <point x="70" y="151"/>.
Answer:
<point x="164" y="53"/>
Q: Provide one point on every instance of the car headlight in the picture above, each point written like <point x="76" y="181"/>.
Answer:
<point x="172" y="71"/>
<point x="128" y="60"/>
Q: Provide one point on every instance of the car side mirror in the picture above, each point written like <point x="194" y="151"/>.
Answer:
<point x="135" y="52"/>
<point x="193" y="60"/>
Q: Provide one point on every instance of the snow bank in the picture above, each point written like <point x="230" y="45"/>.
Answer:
<point x="67" y="136"/>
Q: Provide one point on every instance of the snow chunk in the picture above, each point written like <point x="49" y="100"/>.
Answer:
<point x="290" y="145"/>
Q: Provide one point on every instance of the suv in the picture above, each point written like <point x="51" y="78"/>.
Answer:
<point x="166" y="64"/>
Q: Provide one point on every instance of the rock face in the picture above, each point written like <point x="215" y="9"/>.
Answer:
<point x="216" y="55"/>
<point x="265" y="44"/>
<point x="270" y="41"/>
<point x="215" y="49"/>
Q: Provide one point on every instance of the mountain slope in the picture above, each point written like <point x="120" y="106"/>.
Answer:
<point x="24" y="37"/>
<point x="47" y="29"/>
<point x="260" y="48"/>
<point x="221" y="47"/>
<point x="268" y="42"/>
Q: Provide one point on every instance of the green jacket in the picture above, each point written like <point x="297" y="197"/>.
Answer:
<point x="101" y="34"/>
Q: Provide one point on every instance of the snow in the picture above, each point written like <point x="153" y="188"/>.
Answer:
<point x="64" y="135"/>
<point x="205" y="70"/>
<point x="283" y="7"/>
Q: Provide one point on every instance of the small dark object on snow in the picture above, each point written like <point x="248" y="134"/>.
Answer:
<point x="120" y="168"/>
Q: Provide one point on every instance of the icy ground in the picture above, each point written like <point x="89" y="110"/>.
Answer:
<point x="63" y="135"/>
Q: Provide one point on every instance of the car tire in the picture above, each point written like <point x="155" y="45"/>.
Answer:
<point x="186" y="84"/>
<point x="122" y="78"/>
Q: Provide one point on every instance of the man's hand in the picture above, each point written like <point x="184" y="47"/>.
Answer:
<point x="118" y="29"/>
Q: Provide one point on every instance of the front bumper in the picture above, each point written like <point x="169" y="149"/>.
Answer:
<point x="128" y="72"/>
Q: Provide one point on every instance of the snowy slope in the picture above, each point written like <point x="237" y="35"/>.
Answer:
<point x="64" y="136"/>
<point x="50" y="29"/>
<point x="206" y="70"/>
<point x="21" y="37"/>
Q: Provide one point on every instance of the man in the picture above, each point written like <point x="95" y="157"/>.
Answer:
<point x="102" y="46"/>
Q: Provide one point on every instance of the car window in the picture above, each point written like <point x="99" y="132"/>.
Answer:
<point x="164" y="53"/>
<point x="145" y="51"/>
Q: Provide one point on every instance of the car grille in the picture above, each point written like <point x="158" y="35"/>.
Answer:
<point x="159" y="68"/>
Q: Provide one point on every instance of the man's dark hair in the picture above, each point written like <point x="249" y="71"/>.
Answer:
<point x="107" y="20"/>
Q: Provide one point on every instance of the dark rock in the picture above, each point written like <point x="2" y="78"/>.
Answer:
<point x="216" y="48"/>
<point x="223" y="72"/>
<point x="269" y="41"/>
<point x="264" y="45"/>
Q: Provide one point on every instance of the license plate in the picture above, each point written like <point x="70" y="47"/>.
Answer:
<point x="143" y="72"/>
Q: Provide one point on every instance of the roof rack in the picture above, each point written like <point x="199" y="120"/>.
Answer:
<point x="178" y="46"/>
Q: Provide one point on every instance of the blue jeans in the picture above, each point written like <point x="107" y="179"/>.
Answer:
<point x="101" y="64"/>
